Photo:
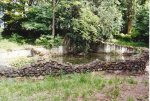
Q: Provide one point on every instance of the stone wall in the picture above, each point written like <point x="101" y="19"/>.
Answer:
<point x="54" y="68"/>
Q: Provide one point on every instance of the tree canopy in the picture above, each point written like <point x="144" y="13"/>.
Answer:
<point x="79" y="21"/>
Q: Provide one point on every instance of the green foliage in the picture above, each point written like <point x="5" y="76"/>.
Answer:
<point x="115" y="92"/>
<point x="81" y="22"/>
<point x="124" y="37"/>
<point x="130" y="99"/>
<point x="86" y="25"/>
<point x="130" y="43"/>
<point x="38" y="17"/>
<point x="89" y="27"/>
<point x="110" y="18"/>
<point x="85" y="30"/>
<point x="49" y="41"/>
<point x="27" y="18"/>
<point x="131" y="81"/>
<point x="142" y="24"/>
<point x="17" y="38"/>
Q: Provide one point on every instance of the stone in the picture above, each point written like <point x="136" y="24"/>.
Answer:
<point x="54" y="68"/>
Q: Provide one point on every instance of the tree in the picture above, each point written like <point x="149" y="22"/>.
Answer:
<point x="129" y="9"/>
<point x="142" y="24"/>
<point x="27" y="18"/>
<point x="53" y="17"/>
<point x="109" y="15"/>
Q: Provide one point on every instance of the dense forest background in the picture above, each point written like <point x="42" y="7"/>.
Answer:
<point x="79" y="23"/>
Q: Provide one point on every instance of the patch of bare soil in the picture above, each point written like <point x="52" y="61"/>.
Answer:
<point x="138" y="91"/>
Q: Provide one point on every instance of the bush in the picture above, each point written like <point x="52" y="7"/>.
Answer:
<point x="49" y="41"/>
<point x="17" y="38"/>
<point x="142" y="24"/>
<point x="124" y="37"/>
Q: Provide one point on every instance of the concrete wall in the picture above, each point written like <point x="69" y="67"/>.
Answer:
<point x="108" y="48"/>
<point x="102" y="47"/>
<point x="58" y="51"/>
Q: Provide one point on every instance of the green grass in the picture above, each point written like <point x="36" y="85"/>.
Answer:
<point x="130" y="99"/>
<point x="131" y="81"/>
<point x="130" y="43"/>
<point x="22" y="61"/>
<point x="5" y="44"/>
<point x="54" y="88"/>
<point x="9" y="45"/>
<point x="62" y="88"/>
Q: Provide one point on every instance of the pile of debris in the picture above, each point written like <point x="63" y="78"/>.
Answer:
<point x="54" y="68"/>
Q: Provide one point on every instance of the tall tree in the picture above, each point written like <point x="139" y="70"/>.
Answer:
<point x="131" y="7"/>
<point x="53" y="18"/>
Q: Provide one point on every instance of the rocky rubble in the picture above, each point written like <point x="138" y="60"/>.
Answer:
<point x="54" y="68"/>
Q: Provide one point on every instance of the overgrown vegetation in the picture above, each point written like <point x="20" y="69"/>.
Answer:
<point x="80" y="22"/>
<point x="49" y="41"/>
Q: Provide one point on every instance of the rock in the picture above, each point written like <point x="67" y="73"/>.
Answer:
<point x="54" y="68"/>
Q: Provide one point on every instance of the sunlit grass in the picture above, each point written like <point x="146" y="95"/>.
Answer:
<point x="62" y="88"/>
<point x="129" y="43"/>
<point x="53" y="88"/>
<point x="5" y="44"/>
<point x="22" y="61"/>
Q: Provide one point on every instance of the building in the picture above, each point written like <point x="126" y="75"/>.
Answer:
<point x="1" y="23"/>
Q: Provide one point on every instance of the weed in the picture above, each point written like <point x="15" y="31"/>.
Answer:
<point x="130" y="99"/>
<point x="115" y="92"/>
<point x="131" y="81"/>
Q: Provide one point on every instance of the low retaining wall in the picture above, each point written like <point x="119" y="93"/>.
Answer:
<point x="54" y="68"/>
<point x="58" y="51"/>
<point x="110" y="47"/>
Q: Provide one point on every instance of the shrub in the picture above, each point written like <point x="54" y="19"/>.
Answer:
<point x="142" y="24"/>
<point x="17" y="38"/>
<point x="49" y="41"/>
<point x="124" y="37"/>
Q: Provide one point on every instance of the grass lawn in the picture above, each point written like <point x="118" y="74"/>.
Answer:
<point x="73" y="87"/>
<point x="5" y="44"/>
<point x="127" y="43"/>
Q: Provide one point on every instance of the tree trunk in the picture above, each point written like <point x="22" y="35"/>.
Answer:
<point x="53" y="19"/>
<point x="129" y="25"/>
<point x="129" y="16"/>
